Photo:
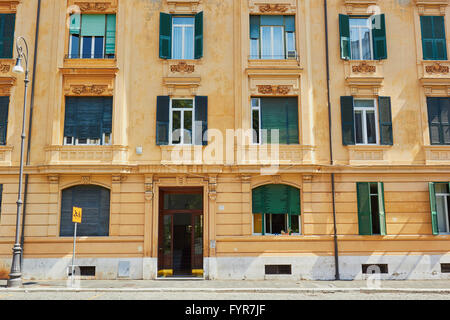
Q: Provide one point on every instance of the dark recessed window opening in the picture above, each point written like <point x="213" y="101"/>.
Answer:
<point x="445" y="267"/>
<point x="374" y="268"/>
<point x="278" y="269"/>
<point x="85" y="271"/>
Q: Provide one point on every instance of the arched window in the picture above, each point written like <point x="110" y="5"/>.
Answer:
<point x="276" y="209"/>
<point x="94" y="200"/>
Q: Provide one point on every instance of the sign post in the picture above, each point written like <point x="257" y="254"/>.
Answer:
<point x="76" y="218"/>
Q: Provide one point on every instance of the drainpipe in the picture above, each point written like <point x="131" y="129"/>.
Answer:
<point x="30" y="123"/>
<point x="336" y="251"/>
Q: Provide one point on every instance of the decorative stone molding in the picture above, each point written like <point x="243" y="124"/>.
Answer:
<point x="118" y="178"/>
<point x="212" y="188"/>
<point x="89" y="89"/>
<point x="363" y="154"/>
<point x="53" y="179"/>
<point x="361" y="6"/>
<point x="184" y="6"/>
<point x="436" y="87"/>
<point x="85" y="180"/>
<point x="5" y="67"/>
<point x="274" y="90"/>
<point x="437" y="155"/>
<point x="86" y="155"/>
<point x="432" y="7"/>
<point x="94" y="6"/>
<point x="272" y="6"/>
<point x="148" y="188"/>
<point x="5" y="155"/>
<point x="274" y="155"/>
<point x="364" y="67"/>
<point x="6" y="83"/>
<point x="182" y="67"/>
<point x="437" y="68"/>
<point x="9" y="6"/>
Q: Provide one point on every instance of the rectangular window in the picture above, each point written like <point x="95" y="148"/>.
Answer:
<point x="439" y="120"/>
<point x="361" y="39"/>
<point x="88" y="121"/>
<point x="443" y="207"/>
<point x="92" y="36"/>
<point x="272" y="37"/>
<point x="7" y="26"/>
<point x="1" y="198"/>
<point x="183" y="37"/>
<point x="366" y="121"/>
<point x="4" y="111"/>
<point x="434" y="43"/>
<point x="181" y="121"/>
<point x="371" y="212"/>
<point x="272" y="224"/>
<point x="275" y="120"/>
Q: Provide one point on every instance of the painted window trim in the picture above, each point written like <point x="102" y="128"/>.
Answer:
<point x="171" y="109"/>
<point x="369" y="22"/>
<point x="183" y="47"/>
<point x="364" y="122"/>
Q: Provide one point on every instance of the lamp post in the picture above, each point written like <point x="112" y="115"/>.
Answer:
<point x="15" y="277"/>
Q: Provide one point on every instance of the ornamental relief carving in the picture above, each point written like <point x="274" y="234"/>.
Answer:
<point x="364" y="67"/>
<point x="437" y="68"/>
<point x="88" y="89"/>
<point x="274" y="90"/>
<point x="182" y="67"/>
<point x="273" y="8"/>
<point x="94" y="6"/>
<point x="5" y="68"/>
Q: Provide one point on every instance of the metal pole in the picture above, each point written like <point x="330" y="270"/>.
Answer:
<point x="15" y="277"/>
<point x="73" y="257"/>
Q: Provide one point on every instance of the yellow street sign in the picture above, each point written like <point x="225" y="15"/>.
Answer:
<point x="76" y="216"/>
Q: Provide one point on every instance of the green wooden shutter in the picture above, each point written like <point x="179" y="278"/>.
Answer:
<point x="439" y="38"/>
<point x="273" y="117"/>
<point x="110" y="42"/>
<point x="258" y="200"/>
<point x="381" y="208"/>
<point x="294" y="202"/>
<point x="4" y="111"/>
<point x="7" y="26"/>
<point x="162" y="120"/>
<point x="434" y="43"/>
<point x="198" y="35"/>
<point x="93" y="25"/>
<point x="348" y="121"/>
<point x="344" y="29"/>
<point x="75" y="23"/>
<point x="107" y="115"/>
<point x="385" y="115"/>
<point x="289" y="23"/>
<point x="165" y="35"/>
<point x="255" y="23"/>
<point x="276" y="199"/>
<point x="433" y="207"/>
<point x="201" y="121"/>
<point x="379" y="37"/>
<point x="292" y="121"/>
<point x="364" y="208"/>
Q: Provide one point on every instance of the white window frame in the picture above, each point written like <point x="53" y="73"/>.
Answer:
<point x="359" y="28"/>
<point x="89" y="142"/>
<point x="446" y="196"/>
<point x="182" y="110"/>
<point x="283" y="38"/>
<point x="256" y="108"/>
<point x="80" y="53"/>
<point x="183" y="48"/>
<point x="363" y="111"/>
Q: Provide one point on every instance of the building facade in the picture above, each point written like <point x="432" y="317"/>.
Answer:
<point x="229" y="139"/>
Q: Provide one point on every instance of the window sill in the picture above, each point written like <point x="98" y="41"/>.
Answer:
<point x="114" y="154"/>
<point x="434" y="70"/>
<point x="437" y="154"/>
<point x="89" y="63"/>
<point x="364" y="72"/>
<point x="368" y="154"/>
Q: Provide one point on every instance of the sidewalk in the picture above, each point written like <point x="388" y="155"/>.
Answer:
<point x="228" y="286"/>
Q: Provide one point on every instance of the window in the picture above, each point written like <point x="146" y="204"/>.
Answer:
<point x="272" y="37"/>
<point x="92" y="36"/>
<point x="1" y="198"/>
<point x="182" y="121"/>
<point x="95" y="202"/>
<point x="7" y="26"/>
<point x="371" y="213"/>
<point x="276" y="209"/>
<point x="366" y="128"/>
<point x="4" y="110"/>
<point x="434" y="43"/>
<point x="88" y="121"/>
<point x="440" y="207"/>
<point x="439" y="120"/>
<point x="366" y="121"/>
<point x="363" y="38"/>
<point x="181" y="36"/>
<point x="271" y="115"/>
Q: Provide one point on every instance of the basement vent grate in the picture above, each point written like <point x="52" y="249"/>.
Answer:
<point x="374" y="268"/>
<point x="85" y="271"/>
<point x="445" y="267"/>
<point x="278" y="269"/>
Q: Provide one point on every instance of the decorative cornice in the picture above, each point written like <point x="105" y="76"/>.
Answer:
<point x="269" y="89"/>
<point x="364" y="67"/>
<point x="9" y="6"/>
<point x="437" y="68"/>
<point x="182" y="67"/>
<point x="88" y="89"/>
<point x="270" y="8"/>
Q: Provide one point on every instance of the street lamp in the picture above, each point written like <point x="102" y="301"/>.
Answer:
<point x="15" y="277"/>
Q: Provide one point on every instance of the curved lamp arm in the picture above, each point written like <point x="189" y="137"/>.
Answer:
<point x="21" y="55"/>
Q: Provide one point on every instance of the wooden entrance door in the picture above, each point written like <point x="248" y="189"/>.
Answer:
<point x="180" y="248"/>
